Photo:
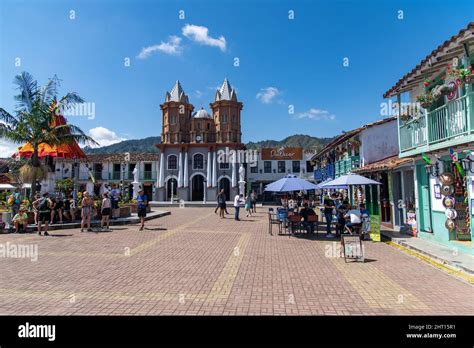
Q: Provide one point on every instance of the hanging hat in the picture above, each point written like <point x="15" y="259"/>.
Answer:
<point x="450" y="224"/>
<point x="451" y="214"/>
<point x="446" y="178"/>
<point x="447" y="190"/>
<point x="449" y="202"/>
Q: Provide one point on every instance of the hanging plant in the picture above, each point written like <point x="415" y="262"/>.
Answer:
<point x="354" y="143"/>
<point x="462" y="75"/>
<point x="425" y="100"/>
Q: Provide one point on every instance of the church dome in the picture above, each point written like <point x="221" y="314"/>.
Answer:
<point x="202" y="114"/>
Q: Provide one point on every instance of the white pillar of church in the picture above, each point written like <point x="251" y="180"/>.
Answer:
<point x="180" y="169"/>
<point x="214" y="169"/>
<point x="209" y="174"/>
<point x="161" y="174"/>
<point x="186" y="178"/>
<point x="234" y="172"/>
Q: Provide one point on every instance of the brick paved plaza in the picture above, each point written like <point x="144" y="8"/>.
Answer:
<point x="193" y="263"/>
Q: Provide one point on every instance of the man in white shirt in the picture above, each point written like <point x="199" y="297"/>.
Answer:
<point x="238" y="199"/>
<point x="354" y="217"/>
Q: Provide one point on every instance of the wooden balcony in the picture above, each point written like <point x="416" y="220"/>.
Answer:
<point x="448" y="125"/>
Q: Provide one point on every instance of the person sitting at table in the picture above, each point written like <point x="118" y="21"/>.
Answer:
<point x="354" y="219"/>
<point x="305" y="212"/>
<point x="341" y="210"/>
<point x="20" y="221"/>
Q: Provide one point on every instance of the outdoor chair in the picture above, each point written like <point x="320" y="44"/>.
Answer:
<point x="315" y="220"/>
<point x="356" y="228"/>
<point x="294" y="221"/>
<point x="273" y="220"/>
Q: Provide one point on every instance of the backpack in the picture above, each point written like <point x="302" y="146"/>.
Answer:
<point x="43" y="205"/>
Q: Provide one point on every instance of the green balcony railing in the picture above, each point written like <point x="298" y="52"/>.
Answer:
<point x="346" y="165"/>
<point x="443" y="124"/>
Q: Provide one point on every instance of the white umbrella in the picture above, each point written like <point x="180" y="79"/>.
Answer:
<point x="6" y="187"/>
<point x="347" y="180"/>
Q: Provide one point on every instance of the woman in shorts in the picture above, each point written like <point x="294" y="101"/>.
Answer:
<point x="86" y="212"/>
<point x="106" y="210"/>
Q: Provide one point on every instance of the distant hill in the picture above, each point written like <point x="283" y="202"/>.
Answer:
<point x="298" y="140"/>
<point x="133" y="146"/>
<point x="148" y="144"/>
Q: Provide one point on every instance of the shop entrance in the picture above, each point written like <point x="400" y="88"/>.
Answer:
<point x="425" y="200"/>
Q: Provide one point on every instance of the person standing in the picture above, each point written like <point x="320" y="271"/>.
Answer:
<point x="221" y="198"/>
<point x="248" y="205"/>
<point x="142" y="201"/>
<point x="115" y="197"/>
<point x="86" y="211"/>
<point x="58" y="208"/>
<point x="43" y="206"/>
<point x="35" y="210"/>
<point x="68" y="208"/>
<point x="237" y="201"/>
<point x="16" y="201"/>
<point x="328" y="210"/>
<point x="106" y="210"/>
<point x="253" y="200"/>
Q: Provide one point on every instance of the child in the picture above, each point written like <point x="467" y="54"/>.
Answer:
<point x="20" y="221"/>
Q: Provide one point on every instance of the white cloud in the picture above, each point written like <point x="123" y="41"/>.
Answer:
<point x="199" y="94"/>
<point x="105" y="136"/>
<point x="172" y="47"/>
<point x="267" y="95"/>
<point x="200" y="35"/>
<point x="316" y="114"/>
<point x="7" y="149"/>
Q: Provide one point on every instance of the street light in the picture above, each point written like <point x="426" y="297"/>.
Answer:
<point x="205" y="189"/>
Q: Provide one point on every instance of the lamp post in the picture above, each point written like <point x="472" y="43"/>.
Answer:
<point x="172" y="190"/>
<point x="205" y="189"/>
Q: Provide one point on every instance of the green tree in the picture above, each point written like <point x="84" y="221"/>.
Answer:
<point x="32" y="121"/>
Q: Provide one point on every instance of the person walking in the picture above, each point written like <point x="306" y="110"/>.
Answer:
<point x="328" y="210"/>
<point x="86" y="211"/>
<point x="142" y="200"/>
<point x="221" y="206"/>
<point x="43" y="206"/>
<point x="237" y="201"/>
<point x="253" y="200"/>
<point x="248" y="205"/>
<point x="105" y="210"/>
<point x="58" y="208"/>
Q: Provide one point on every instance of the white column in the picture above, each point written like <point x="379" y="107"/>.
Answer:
<point x="161" y="173"/>
<point x="186" y="178"/>
<point x="180" y="169"/>
<point x="214" y="169"/>
<point x="234" y="173"/>
<point x="209" y="168"/>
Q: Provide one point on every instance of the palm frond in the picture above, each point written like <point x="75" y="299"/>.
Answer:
<point x="48" y="92"/>
<point x="7" y="117"/>
<point x="28" y="88"/>
<point x="69" y="100"/>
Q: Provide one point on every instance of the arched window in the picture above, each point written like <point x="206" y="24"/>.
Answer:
<point x="198" y="161"/>
<point x="172" y="162"/>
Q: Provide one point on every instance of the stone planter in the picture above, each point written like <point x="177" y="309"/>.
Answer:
<point x="125" y="211"/>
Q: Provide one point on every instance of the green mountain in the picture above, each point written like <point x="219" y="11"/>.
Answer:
<point x="148" y="144"/>
<point x="297" y="140"/>
<point x="133" y="146"/>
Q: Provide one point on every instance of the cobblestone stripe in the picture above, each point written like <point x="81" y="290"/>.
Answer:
<point x="377" y="289"/>
<point x="223" y="285"/>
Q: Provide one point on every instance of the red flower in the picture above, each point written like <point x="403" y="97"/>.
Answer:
<point x="426" y="84"/>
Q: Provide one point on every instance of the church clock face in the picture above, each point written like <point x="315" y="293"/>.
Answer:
<point x="198" y="138"/>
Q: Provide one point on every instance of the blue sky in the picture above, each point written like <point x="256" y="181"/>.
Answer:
<point x="282" y="61"/>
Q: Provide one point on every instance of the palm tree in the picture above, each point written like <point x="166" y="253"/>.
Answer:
<point x="32" y="122"/>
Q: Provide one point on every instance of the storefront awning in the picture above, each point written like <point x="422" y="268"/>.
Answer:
<point x="385" y="164"/>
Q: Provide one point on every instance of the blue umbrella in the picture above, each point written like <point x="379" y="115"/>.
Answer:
<point x="290" y="183"/>
<point x="347" y="180"/>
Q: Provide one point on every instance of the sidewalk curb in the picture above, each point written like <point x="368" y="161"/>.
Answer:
<point x="453" y="269"/>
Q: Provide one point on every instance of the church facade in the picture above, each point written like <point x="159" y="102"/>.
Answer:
<point x="190" y="167"/>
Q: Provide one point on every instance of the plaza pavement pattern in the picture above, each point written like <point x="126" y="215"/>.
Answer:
<point x="194" y="263"/>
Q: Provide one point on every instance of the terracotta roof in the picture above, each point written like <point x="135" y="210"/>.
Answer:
<point x="119" y="157"/>
<point x="340" y="138"/>
<point x="453" y="38"/>
<point x="384" y="164"/>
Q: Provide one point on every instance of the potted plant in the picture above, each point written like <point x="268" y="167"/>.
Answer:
<point x="462" y="75"/>
<point x="425" y="100"/>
